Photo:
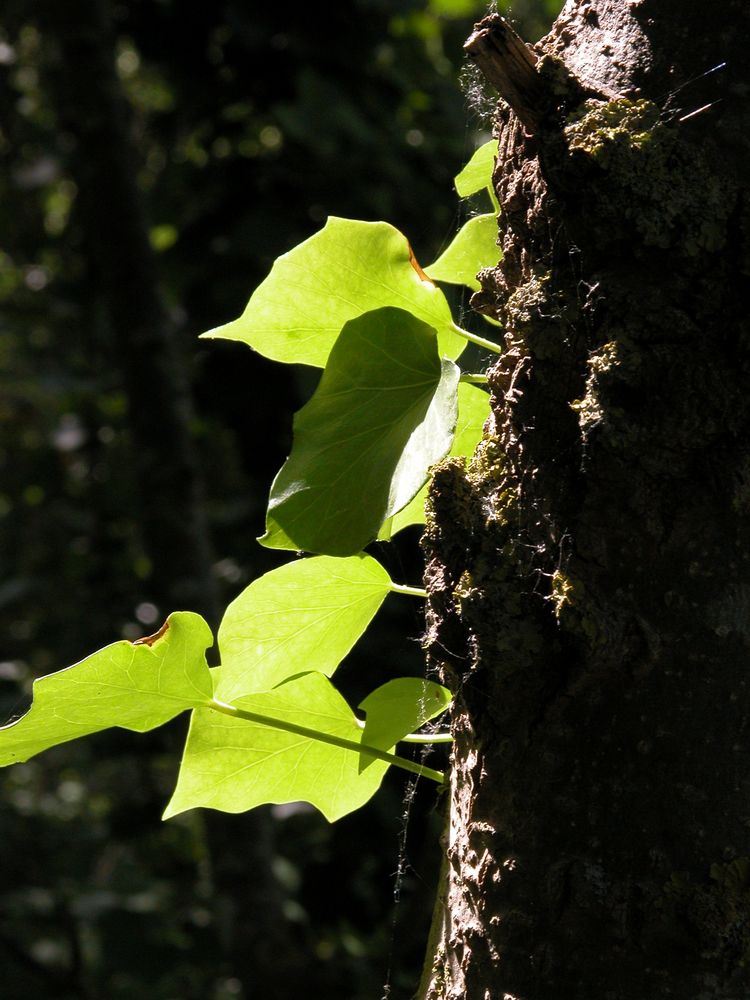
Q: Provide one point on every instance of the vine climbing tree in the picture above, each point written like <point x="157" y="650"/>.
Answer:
<point x="587" y="575"/>
<point x="267" y="725"/>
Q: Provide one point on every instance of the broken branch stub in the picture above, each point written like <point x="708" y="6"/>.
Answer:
<point x="509" y="65"/>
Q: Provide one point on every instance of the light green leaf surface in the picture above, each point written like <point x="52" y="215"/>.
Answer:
<point x="303" y="616"/>
<point x="346" y="269"/>
<point x="233" y="764"/>
<point x="473" y="248"/>
<point x="383" y="413"/>
<point x="473" y="410"/>
<point x="477" y="174"/>
<point x="399" y="707"/>
<point x="134" y="686"/>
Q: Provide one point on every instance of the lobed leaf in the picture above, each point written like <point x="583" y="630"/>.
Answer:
<point x="473" y="409"/>
<point x="384" y="412"/>
<point x="346" y="269"/>
<point x="303" y="616"/>
<point x="474" y="247"/>
<point x="136" y="686"/>
<point x="233" y="764"/>
<point x="477" y="174"/>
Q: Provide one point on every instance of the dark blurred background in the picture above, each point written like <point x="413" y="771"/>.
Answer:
<point x="156" y="157"/>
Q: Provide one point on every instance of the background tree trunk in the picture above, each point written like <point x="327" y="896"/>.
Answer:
<point x="589" y="574"/>
<point x="86" y="94"/>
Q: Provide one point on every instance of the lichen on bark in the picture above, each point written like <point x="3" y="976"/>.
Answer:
<point x="648" y="175"/>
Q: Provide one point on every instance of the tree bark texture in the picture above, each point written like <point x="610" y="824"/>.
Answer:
<point x="589" y="572"/>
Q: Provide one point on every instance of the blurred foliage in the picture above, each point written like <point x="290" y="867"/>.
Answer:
<point x="252" y="123"/>
<point x="532" y="18"/>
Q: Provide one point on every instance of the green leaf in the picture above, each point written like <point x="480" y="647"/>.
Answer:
<point x="473" y="248"/>
<point x="477" y="174"/>
<point x="234" y="764"/>
<point x="384" y="412"/>
<point x="346" y="269"/>
<point x="135" y="686"/>
<point x="398" y="707"/>
<point x="473" y="410"/>
<point x="303" y="616"/>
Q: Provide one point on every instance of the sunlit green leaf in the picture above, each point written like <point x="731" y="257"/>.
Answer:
<point x="477" y="174"/>
<point x="233" y="764"/>
<point x="346" y="269"/>
<point x="398" y="707"/>
<point x="473" y="248"/>
<point x="132" y="685"/>
<point x="473" y="409"/>
<point x="384" y="412"/>
<point x="305" y="615"/>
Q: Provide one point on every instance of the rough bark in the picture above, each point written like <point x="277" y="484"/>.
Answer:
<point x="590" y="572"/>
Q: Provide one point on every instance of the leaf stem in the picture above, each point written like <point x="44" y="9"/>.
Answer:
<point x="427" y="738"/>
<point x="474" y="378"/>
<point x="400" y="588"/>
<point x="418" y="737"/>
<point x="336" y="741"/>
<point x="473" y="338"/>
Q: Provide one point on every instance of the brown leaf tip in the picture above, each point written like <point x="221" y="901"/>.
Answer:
<point x="149" y="640"/>
<point x="418" y="268"/>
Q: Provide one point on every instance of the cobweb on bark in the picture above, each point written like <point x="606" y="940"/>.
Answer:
<point x="404" y="868"/>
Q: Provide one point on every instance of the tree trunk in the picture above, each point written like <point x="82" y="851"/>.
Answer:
<point x="590" y="572"/>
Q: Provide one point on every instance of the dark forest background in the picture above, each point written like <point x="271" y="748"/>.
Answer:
<point x="156" y="157"/>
